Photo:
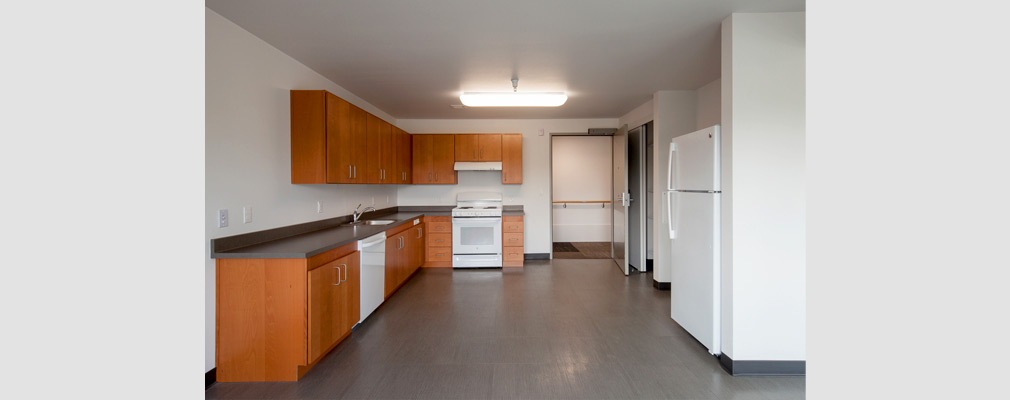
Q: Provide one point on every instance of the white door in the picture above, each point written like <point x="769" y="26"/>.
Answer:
<point x="621" y="201"/>
<point x="694" y="263"/>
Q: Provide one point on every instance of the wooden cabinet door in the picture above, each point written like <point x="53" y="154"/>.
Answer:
<point x="359" y="145"/>
<point x="387" y="159"/>
<point x="403" y="174"/>
<point x="373" y="127"/>
<point x="351" y="287"/>
<point x="420" y="244"/>
<point x="466" y="147"/>
<point x="392" y="252"/>
<point x="421" y="159"/>
<point x="339" y="165"/>
<point x="512" y="158"/>
<point x="489" y="147"/>
<point x="325" y="319"/>
<point x="443" y="158"/>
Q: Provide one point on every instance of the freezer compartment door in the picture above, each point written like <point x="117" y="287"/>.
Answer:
<point x="695" y="266"/>
<point x="693" y="161"/>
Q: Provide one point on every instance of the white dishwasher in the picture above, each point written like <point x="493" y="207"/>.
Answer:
<point x="373" y="273"/>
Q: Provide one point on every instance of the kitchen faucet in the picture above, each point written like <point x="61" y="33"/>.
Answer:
<point x="357" y="215"/>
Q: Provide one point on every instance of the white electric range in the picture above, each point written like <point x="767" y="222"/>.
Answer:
<point x="476" y="230"/>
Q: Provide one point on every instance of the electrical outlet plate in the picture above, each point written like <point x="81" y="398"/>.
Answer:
<point x="222" y="218"/>
<point x="246" y="214"/>
<point x="319" y="207"/>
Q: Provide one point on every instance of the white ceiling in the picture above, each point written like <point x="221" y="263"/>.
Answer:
<point x="412" y="59"/>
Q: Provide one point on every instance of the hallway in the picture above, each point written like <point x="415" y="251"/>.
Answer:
<point x="563" y="328"/>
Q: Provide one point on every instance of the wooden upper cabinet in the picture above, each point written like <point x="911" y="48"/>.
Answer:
<point x="402" y="152"/>
<point x="421" y="153"/>
<point x="478" y="147"/>
<point x="359" y="147"/>
<point x="433" y="159"/>
<point x="466" y="147"/>
<point x="512" y="158"/>
<point x="443" y="159"/>
<point x="326" y="144"/>
<point x="380" y="147"/>
<point x="489" y="147"/>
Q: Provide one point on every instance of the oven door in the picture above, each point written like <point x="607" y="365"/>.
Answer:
<point x="476" y="235"/>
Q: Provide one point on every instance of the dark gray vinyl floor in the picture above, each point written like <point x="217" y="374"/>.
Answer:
<point x="561" y="329"/>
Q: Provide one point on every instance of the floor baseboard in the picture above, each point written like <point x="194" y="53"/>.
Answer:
<point x="660" y="285"/>
<point x="211" y="378"/>
<point x="762" y="367"/>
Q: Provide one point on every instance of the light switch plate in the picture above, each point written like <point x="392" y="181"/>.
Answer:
<point x="319" y="207"/>
<point x="246" y="214"/>
<point x="222" y="218"/>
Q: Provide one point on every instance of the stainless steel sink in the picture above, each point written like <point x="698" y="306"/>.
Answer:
<point x="373" y="222"/>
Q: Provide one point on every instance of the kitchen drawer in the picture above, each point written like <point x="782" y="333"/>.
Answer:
<point x="440" y="227"/>
<point x="438" y="218"/>
<point x="512" y="226"/>
<point x="439" y="240"/>
<point x="512" y="254"/>
<point x="512" y="218"/>
<point x="510" y="239"/>
<point x="440" y="254"/>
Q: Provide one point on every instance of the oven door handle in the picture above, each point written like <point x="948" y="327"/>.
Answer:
<point x="474" y="219"/>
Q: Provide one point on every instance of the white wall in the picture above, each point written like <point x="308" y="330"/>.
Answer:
<point x="763" y="125"/>
<point x="533" y="194"/>
<point x="673" y="115"/>
<point x="709" y="100"/>
<point x="582" y="171"/>
<point x="248" y="145"/>
<point x="639" y="116"/>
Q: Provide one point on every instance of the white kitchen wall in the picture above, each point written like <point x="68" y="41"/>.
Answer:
<point x="248" y="145"/>
<point x="709" y="104"/>
<point x="533" y="194"/>
<point x="582" y="171"/>
<point x="673" y="115"/>
<point x="764" y="217"/>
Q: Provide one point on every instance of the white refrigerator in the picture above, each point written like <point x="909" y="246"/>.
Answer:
<point x="693" y="212"/>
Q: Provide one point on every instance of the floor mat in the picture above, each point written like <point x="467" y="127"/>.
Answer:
<point x="564" y="247"/>
<point x="581" y="250"/>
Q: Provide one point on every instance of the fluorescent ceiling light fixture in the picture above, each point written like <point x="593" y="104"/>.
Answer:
<point x="472" y="99"/>
<point x="514" y="99"/>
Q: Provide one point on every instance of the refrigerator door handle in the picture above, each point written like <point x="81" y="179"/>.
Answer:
<point x="670" y="211"/>
<point x="669" y="168"/>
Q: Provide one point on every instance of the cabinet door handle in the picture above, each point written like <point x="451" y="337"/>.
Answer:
<point x="350" y="174"/>
<point x="355" y="172"/>
<point x="474" y="154"/>
<point x="345" y="273"/>
<point x="429" y="177"/>
<point x="436" y="176"/>
<point x="338" y="275"/>
<point x="419" y="233"/>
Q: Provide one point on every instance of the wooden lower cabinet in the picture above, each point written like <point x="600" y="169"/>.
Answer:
<point x="439" y="242"/>
<point x="512" y="241"/>
<point x="404" y="255"/>
<point x="277" y="317"/>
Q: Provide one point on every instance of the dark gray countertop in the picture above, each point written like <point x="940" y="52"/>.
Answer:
<point x="309" y="239"/>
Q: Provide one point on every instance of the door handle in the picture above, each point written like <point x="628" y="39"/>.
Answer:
<point x="338" y="275"/>
<point x="670" y="210"/>
<point x="345" y="273"/>
<point x="429" y="177"/>
<point x="355" y="172"/>
<point x="350" y="173"/>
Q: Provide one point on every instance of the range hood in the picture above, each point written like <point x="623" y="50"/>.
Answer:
<point x="477" y="166"/>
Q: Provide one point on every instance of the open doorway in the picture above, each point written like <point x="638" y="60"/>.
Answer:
<point x="640" y="187"/>
<point x="581" y="176"/>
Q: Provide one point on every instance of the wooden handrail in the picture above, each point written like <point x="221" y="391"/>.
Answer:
<point x="603" y="203"/>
